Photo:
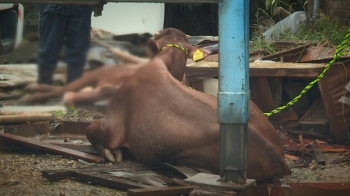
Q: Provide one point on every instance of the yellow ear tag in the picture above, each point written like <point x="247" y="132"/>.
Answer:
<point x="198" y="55"/>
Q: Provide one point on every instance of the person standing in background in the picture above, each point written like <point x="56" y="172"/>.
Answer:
<point x="68" y="25"/>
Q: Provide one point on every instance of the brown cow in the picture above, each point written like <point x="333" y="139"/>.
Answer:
<point x="159" y="119"/>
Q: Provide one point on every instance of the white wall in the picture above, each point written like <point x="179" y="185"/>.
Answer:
<point x="125" y="18"/>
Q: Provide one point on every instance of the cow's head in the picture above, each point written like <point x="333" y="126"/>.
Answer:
<point x="172" y="36"/>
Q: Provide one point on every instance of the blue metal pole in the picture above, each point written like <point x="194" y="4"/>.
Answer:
<point x="234" y="94"/>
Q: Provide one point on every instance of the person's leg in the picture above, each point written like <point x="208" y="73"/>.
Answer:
<point x="77" y="46"/>
<point x="52" y="33"/>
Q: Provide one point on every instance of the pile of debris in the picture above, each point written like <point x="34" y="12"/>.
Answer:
<point x="277" y="79"/>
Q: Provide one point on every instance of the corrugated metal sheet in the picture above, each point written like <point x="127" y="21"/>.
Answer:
<point x="320" y="53"/>
<point x="332" y="89"/>
<point x="292" y="54"/>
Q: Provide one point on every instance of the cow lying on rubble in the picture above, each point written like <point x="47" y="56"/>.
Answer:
<point x="159" y="119"/>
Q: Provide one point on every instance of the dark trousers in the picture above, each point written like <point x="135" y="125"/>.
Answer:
<point x="56" y="30"/>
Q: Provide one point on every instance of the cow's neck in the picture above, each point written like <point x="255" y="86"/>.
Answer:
<point x="174" y="56"/>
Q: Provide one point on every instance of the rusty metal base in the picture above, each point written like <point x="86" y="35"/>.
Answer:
<point x="213" y="181"/>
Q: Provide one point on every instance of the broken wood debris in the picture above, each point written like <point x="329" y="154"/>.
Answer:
<point x="303" y="162"/>
<point x="23" y="118"/>
<point x="291" y="157"/>
<point x="320" y="158"/>
<point x="28" y="129"/>
<point x="30" y="110"/>
<point x="306" y="150"/>
<point x="186" y="171"/>
<point x="307" y="189"/>
<point x="123" y="177"/>
<point x="74" y="127"/>
<point x="161" y="191"/>
<point x="102" y="175"/>
<point x="87" y="148"/>
<point x="341" y="160"/>
<point x="213" y="181"/>
<point x="327" y="116"/>
<point x="52" y="148"/>
<point x="320" y="53"/>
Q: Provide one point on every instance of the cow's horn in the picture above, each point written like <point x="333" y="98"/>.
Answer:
<point x="156" y="34"/>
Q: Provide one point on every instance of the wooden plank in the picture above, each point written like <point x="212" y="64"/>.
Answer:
<point x="260" y="94"/>
<point x="74" y="127"/>
<point x="79" y="147"/>
<point x="161" y="191"/>
<point x="341" y="160"/>
<point x="28" y="129"/>
<point x="94" y="178"/>
<point x="23" y="118"/>
<point x="310" y="134"/>
<point x="198" y="85"/>
<point x="289" y="52"/>
<point x="319" y="156"/>
<point x="99" y="175"/>
<point x="212" y="192"/>
<point x="52" y="148"/>
<point x="335" y="150"/>
<point x="9" y="146"/>
<point x="9" y="110"/>
<point x="305" y="70"/>
<point x="291" y="157"/>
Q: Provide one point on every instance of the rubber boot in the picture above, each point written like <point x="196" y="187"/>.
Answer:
<point x="74" y="72"/>
<point x="45" y="75"/>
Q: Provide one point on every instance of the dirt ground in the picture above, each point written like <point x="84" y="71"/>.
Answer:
<point x="20" y="174"/>
<point x="20" y="171"/>
<point x="315" y="173"/>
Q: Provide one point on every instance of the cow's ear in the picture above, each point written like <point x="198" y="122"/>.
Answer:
<point x="197" y="54"/>
<point x="153" y="48"/>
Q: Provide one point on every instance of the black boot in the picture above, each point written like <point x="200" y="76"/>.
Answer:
<point x="45" y="75"/>
<point x="74" y="72"/>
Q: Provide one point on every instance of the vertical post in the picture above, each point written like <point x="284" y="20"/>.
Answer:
<point x="234" y="94"/>
<point x="315" y="8"/>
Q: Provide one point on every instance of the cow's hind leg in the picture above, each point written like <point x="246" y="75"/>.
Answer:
<point x="97" y="134"/>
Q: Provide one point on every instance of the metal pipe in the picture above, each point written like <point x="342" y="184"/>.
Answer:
<point x="316" y="6"/>
<point x="234" y="94"/>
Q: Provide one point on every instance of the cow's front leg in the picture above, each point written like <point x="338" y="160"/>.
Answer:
<point x="40" y="93"/>
<point x="98" y="136"/>
<point x="40" y="88"/>
<point x="90" y="96"/>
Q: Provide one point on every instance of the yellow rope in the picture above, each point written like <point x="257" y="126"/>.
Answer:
<point x="176" y="46"/>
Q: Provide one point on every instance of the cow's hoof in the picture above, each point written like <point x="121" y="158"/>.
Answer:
<point x="68" y="98"/>
<point x="118" y="155"/>
<point x="108" y="155"/>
